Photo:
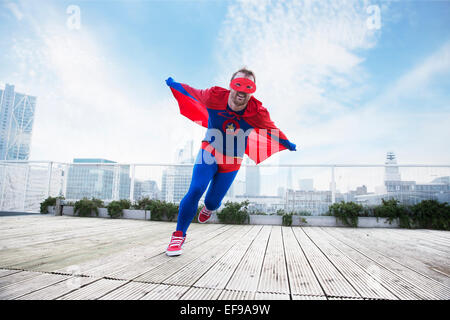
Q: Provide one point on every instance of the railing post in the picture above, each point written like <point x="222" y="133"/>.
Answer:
<point x="26" y="187"/>
<point x="333" y="186"/>
<point x="133" y="168"/>
<point x="116" y="182"/>
<point x="50" y="165"/>
<point x="65" y="174"/>
<point x="58" y="209"/>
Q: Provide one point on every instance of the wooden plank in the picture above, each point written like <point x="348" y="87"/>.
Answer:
<point x="422" y="259"/>
<point x="236" y="295"/>
<point x="141" y="267"/>
<point x="407" y="262"/>
<point x="220" y="273"/>
<point x="16" y="278"/>
<point x="172" y="265"/>
<point x="368" y="285"/>
<point x="201" y="294"/>
<point x="165" y="292"/>
<point x="94" y="290"/>
<point x="36" y="257"/>
<point x="16" y="290"/>
<point x="59" y="289"/>
<point x="301" y="276"/>
<point x="274" y="278"/>
<point x="130" y="291"/>
<point x="403" y="282"/>
<point x="439" y="238"/>
<point x="304" y="297"/>
<point x="271" y="296"/>
<point x="7" y="272"/>
<point x="191" y="272"/>
<point x="330" y="278"/>
<point x="247" y="273"/>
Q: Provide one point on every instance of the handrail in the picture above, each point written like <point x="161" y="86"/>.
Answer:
<point x="340" y="165"/>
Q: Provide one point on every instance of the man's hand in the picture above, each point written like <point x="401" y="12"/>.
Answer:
<point x="169" y="81"/>
<point x="292" y="146"/>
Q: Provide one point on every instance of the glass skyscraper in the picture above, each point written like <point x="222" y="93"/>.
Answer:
<point x="16" y="124"/>
<point x="107" y="182"/>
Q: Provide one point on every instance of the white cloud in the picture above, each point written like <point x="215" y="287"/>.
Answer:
<point x="298" y="50"/>
<point x="15" y="10"/>
<point x="307" y="56"/>
<point x="84" y="108"/>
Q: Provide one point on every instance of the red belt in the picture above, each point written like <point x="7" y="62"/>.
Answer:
<point x="225" y="163"/>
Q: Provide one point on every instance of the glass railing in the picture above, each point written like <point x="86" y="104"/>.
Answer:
<point x="302" y="188"/>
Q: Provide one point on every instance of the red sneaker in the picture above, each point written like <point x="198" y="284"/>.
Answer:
<point x="176" y="243"/>
<point x="204" y="215"/>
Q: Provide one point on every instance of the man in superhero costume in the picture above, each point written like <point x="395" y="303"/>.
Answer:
<point x="237" y="124"/>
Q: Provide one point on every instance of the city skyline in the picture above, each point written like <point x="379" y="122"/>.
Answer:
<point x="359" y="78"/>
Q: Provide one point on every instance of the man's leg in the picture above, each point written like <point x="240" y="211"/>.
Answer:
<point x="219" y="186"/>
<point x="201" y="176"/>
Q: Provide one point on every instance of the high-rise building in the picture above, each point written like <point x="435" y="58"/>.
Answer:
<point x="16" y="124"/>
<point x="252" y="180"/>
<point x="108" y="182"/>
<point x="145" y="189"/>
<point x="306" y="184"/>
<point x="391" y="172"/>
<point x="177" y="179"/>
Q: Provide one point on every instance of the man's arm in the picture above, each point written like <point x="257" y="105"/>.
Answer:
<point x="201" y="95"/>
<point x="192" y="102"/>
<point x="263" y="121"/>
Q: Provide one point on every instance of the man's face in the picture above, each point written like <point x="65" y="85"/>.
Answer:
<point x="240" y="98"/>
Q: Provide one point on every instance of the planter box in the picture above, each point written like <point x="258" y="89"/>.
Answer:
<point x="67" y="211"/>
<point x="136" y="214"/>
<point x="369" y="222"/>
<point x="266" y="219"/>
<point x="311" y="221"/>
<point x="317" y="221"/>
<point x="102" y="213"/>
<point x="51" y="210"/>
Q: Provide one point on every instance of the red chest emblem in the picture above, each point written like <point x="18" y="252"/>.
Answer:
<point x="230" y="126"/>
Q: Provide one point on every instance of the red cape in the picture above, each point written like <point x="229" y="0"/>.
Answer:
<point x="266" y="139"/>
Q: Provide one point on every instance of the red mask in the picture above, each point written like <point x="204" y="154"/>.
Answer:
<point x="243" y="85"/>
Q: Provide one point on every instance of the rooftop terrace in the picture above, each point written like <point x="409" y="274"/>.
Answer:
<point x="61" y="257"/>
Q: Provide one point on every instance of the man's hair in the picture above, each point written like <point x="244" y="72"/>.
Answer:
<point x="246" y="72"/>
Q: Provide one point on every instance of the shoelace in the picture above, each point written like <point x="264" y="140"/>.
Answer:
<point x="176" y="241"/>
<point x="205" y="212"/>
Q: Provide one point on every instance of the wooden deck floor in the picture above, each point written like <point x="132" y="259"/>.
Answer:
<point x="47" y="257"/>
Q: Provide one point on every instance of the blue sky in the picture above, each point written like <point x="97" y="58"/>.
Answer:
<point x="344" y="93"/>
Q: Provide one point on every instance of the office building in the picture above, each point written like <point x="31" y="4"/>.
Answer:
<point x="16" y="124"/>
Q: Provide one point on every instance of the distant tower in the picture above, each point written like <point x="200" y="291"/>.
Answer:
<point x="289" y="179"/>
<point x="16" y="124"/>
<point x="391" y="173"/>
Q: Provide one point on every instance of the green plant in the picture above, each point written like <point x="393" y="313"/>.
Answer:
<point x="234" y="213"/>
<point x="143" y="203"/>
<point x="280" y="212"/>
<point x="346" y="212"/>
<point x="431" y="214"/>
<point x="428" y="214"/>
<point x="392" y="209"/>
<point x="50" y="201"/>
<point x="85" y="207"/>
<point x="115" y="208"/>
<point x="287" y="219"/>
<point x="160" y="209"/>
